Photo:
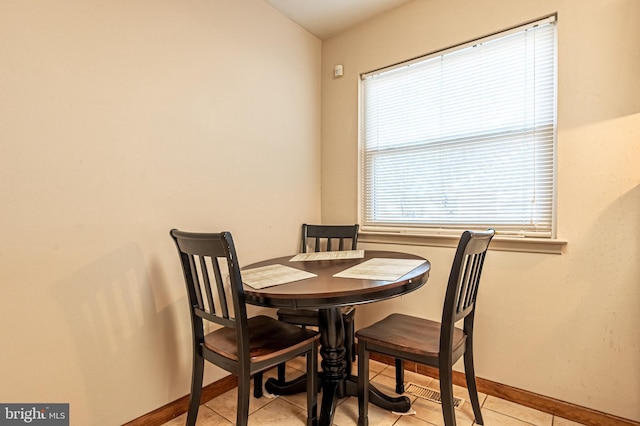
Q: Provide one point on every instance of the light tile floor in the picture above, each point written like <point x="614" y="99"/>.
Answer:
<point x="290" y="410"/>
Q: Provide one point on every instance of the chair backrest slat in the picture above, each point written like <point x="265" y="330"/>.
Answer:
<point x="469" y="285"/>
<point x="224" y="307"/>
<point x="324" y="235"/>
<point x="464" y="280"/>
<point x="464" y="287"/>
<point x="207" y="284"/>
<point x="195" y="278"/>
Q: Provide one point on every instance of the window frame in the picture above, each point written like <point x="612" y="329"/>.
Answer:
<point x="420" y="233"/>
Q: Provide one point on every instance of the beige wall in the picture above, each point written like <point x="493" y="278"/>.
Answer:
<point x="118" y="121"/>
<point x="565" y="326"/>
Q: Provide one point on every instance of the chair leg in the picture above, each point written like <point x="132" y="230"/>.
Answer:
<point x="282" y="367"/>
<point x="363" y="384"/>
<point x="196" y="387"/>
<point x="244" y="389"/>
<point x="470" y="375"/>
<point x="257" y="385"/>
<point x="399" y="376"/>
<point x="446" y="394"/>
<point x="312" y="386"/>
<point x="350" y="346"/>
<point x="281" y="373"/>
<point x="349" y="339"/>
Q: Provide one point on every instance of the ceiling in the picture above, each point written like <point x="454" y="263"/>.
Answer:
<point x="326" y="18"/>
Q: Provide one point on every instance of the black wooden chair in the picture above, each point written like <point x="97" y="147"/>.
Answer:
<point x="243" y="346"/>
<point x="316" y="238"/>
<point x="437" y="344"/>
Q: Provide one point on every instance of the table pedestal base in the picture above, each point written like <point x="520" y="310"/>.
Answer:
<point x="335" y="380"/>
<point x="332" y="391"/>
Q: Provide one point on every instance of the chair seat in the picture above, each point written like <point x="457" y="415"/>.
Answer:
<point x="408" y="334"/>
<point x="310" y="316"/>
<point x="268" y="338"/>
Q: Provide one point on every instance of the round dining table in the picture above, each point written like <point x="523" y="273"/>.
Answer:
<point x="328" y="294"/>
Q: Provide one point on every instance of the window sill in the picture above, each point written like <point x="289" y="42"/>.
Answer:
<point x="501" y="243"/>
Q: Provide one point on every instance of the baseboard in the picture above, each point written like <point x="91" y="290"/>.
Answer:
<point x="179" y="406"/>
<point x="556" y="407"/>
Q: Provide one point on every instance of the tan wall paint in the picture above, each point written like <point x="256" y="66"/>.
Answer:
<point x="118" y="121"/>
<point x="563" y="326"/>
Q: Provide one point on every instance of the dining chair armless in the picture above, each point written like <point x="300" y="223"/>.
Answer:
<point x="437" y="344"/>
<point x="240" y="345"/>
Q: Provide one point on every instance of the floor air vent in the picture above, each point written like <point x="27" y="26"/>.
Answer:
<point x="430" y="394"/>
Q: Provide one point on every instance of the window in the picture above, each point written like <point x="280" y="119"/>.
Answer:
<point x="463" y="138"/>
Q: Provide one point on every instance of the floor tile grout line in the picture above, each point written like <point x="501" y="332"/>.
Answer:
<point x="515" y="418"/>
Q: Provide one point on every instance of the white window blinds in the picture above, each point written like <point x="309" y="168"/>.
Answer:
<point x="463" y="138"/>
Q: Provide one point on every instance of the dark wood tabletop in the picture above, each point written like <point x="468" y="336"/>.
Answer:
<point x="325" y="290"/>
